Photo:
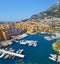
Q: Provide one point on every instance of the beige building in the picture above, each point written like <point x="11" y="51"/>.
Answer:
<point x="4" y="35"/>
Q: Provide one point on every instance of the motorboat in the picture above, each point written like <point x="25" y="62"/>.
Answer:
<point x="20" y="51"/>
<point x="35" y="44"/>
<point x="29" y="42"/>
<point x="7" y="56"/>
<point x="47" y="38"/>
<point x="53" y="57"/>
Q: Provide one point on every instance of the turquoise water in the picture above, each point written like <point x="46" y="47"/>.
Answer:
<point x="38" y="55"/>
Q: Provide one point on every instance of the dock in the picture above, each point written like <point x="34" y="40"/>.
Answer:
<point x="12" y="53"/>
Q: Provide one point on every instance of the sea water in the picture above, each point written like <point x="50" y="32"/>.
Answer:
<point x="33" y="55"/>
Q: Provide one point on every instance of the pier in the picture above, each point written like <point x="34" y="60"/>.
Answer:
<point x="12" y="53"/>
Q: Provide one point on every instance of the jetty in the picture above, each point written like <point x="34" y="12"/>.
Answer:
<point x="12" y="53"/>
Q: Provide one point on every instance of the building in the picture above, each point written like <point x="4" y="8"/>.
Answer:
<point x="4" y="35"/>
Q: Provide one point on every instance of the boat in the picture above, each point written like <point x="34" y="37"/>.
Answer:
<point x="29" y="42"/>
<point x="7" y="56"/>
<point x="53" y="57"/>
<point x="6" y="48"/>
<point x="17" y="41"/>
<point x="13" y="57"/>
<point x="43" y="32"/>
<point x="23" y="42"/>
<point x="20" y="51"/>
<point x="11" y="50"/>
<point x="2" y="55"/>
<point x="35" y="44"/>
<point x="10" y="42"/>
<point x="21" y="36"/>
<point x="47" y="38"/>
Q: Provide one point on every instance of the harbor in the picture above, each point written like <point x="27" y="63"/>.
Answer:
<point x="28" y="50"/>
<point x="10" y="52"/>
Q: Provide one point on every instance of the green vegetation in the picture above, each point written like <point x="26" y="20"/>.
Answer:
<point x="56" y="46"/>
<point x="52" y="11"/>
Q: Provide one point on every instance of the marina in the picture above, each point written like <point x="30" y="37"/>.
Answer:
<point x="21" y="36"/>
<point x="55" y="35"/>
<point x="28" y="51"/>
<point x="29" y="31"/>
<point x="49" y="38"/>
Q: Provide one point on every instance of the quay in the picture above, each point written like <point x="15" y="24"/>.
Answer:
<point x="12" y="53"/>
<point x="9" y="42"/>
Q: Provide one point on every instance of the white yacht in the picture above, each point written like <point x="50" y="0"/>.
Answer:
<point x="53" y="37"/>
<point x="47" y="38"/>
<point x="17" y="41"/>
<point x="35" y="44"/>
<point x="20" y="51"/>
<point x="23" y="42"/>
<point x="10" y="43"/>
<point x="21" y="36"/>
<point x="53" y="57"/>
<point x="29" y="42"/>
<point x="2" y="54"/>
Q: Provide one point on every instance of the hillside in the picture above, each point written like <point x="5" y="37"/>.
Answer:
<point x="52" y="11"/>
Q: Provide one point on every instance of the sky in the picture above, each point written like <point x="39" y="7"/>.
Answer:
<point x="15" y="10"/>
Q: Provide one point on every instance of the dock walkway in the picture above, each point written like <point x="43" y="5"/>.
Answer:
<point x="12" y="53"/>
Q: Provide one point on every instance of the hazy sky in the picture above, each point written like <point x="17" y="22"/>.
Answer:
<point x="12" y="10"/>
